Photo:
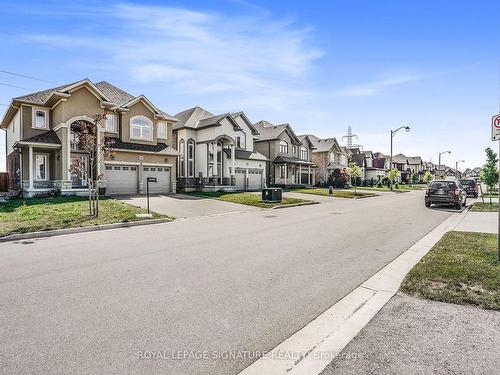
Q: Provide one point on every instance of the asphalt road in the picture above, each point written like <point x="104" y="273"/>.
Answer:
<point x="103" y="302"/>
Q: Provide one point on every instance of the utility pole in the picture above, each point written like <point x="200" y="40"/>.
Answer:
<point x="393" y="132"/>
<point x="441" y="153"/>
<point x="457" y="173"/>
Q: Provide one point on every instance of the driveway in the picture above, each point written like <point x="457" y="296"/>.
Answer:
<point x="205" y="296"/>
<point x="184" y="206"/>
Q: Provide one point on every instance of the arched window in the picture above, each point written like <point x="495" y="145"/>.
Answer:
<point x="190" y="158"/>
<point x="182" y="152"/>
<point x="283" y="147"/>
<point x="303" y="153"/>
<point x="141" y="128"/>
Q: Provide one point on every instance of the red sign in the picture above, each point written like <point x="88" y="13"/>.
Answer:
<point x="495" y="128"/>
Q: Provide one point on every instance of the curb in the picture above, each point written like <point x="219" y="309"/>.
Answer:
<point x="309" y="350"/>
<point x="294" y="205"/>
<point x="59" y="232"/>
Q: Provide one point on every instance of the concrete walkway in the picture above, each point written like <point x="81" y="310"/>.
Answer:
<point x="415" y="336"/>
<point x="482" y="222"/>
<point x="187" y="206"/>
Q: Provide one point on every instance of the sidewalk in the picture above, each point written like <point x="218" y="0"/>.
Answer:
<point x="416" y="336"/>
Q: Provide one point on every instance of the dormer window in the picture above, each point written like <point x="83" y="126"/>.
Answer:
<point x="40" y="120"/>
<point x="303" y="153"/>
<point x="111" y="124"/>
<point x="141" y="128"/>
<point x="283" y="147"/>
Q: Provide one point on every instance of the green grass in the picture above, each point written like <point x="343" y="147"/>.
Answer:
<point x="336" y="193"/>
<point x="493" y="195"/>
<point x="249" y="199"/>
<point x="461" y="268"/>
<point x="484" y="207"/>
<point x="41" y="214"/>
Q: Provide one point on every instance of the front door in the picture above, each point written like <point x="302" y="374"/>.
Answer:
<point x="79" y="179"/>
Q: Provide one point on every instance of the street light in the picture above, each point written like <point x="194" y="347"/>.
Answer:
<point x="393" y="132"/>
<point x="456" y="167"/>
<point x="441" y="153"/>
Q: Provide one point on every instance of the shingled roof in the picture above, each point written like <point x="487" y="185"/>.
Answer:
<point x="198" y="118"/>
<point x="268" y="131"/>
<point x="159" y="147"/>
<point x="48" y="137"/>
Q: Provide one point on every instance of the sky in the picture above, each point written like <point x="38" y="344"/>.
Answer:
<point x="319" y="66"/>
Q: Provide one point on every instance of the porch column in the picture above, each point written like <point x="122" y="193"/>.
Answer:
<point x="30" y="160"/>
<point x="300" y="174"/>
<point x="314" y="178"/>
<point x="214" y="147"/>
<point x="233" y="161"/>
<point x="98" y="146"/>
<point x="286" y="173"/>
<point x="309" y="175"/>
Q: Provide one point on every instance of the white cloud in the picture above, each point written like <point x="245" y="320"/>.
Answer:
<point x="376" y="86"/>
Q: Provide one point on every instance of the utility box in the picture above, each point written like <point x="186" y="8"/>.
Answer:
<point x="272" y="195"/>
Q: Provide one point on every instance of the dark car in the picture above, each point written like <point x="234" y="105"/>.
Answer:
<point x="470" y="186"/>
<point x="446" y="192"/>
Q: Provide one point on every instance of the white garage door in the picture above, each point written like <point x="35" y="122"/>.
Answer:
<point x="254" y="180"/>
<point x="240" y="179"/>
<point x="162" y="184"/>
<point x="121" y="179"/>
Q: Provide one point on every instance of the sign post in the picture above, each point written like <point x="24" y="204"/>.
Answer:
<point x="495" y="136"/>
<point x="148" y="180"/>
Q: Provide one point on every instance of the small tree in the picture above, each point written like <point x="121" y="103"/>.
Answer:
<point x="427" y="177"/>
<point x="393" y="174"/>
<point x="354" y="171"/>
<point x="489" y="174"/>
<point x="97" y="150"/>
<point x="414" y="178"/>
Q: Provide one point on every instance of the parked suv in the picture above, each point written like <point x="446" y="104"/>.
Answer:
<point x="446" y="192"/>
<point x="470" y="186"/>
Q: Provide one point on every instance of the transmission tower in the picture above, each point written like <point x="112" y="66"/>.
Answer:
<point x="349" y="136"/>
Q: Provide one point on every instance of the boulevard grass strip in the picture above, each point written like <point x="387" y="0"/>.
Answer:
<point x="461" y="268"/>
<point x="42" y="214"/>
<point x="336" y="193"/>
<point x="484" y="207"/>
<point x="249" y="199"/>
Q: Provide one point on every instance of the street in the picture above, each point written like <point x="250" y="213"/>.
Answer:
<point x="106" y="302"/>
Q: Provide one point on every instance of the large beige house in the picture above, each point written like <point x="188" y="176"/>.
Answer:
<point x="41" y="144"/>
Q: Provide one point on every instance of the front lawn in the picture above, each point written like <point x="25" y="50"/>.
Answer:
<point x="336" y="193"/>
<point x="249" y="199"/>
<point x="41" y="214"/>
<point x="400" y="188"/>
<point x="484" y="207"/>
<point x="461" y="268"/>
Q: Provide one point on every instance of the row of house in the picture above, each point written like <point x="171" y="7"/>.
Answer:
<point x="193" y="150"/>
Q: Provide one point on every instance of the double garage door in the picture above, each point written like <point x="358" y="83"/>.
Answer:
<point x="253" y="182"/>
<point x="124" y="179"/>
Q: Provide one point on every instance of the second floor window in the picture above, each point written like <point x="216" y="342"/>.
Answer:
<point x="111" y="124"/>
<point x="40" y="121"/>
<point x="141" y="128"/>
<point x="303" y="153"/>
<point x="283" y="147"/>
<point x="238" y="141"/>
<point x="162" y="130"/>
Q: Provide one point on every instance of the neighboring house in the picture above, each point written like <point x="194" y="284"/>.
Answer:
<point x="327" y="155"/>
<point x="467" y="172"/>
<point x="476" y="173"/>
<point x="377" y="165"/>
<point x="416" y="165"/>
<point x="290" y="161"/>
<point x="358" y="157"/>
<point x="400" y="162"/>
<point x="217" y="152"/>
<point x="429" y="166"/>
<point x="42" y="140"/>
